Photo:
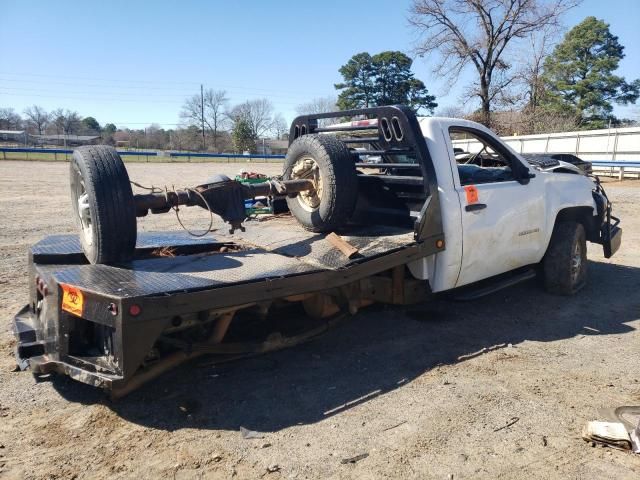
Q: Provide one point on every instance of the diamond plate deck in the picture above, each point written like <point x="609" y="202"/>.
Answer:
<point x="189" y="272"/>
<point x="285" y="236"/>
<point x="54" y="247"/>
<point x="272" y="249"/>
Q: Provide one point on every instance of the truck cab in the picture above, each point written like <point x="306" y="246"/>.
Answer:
<point x="499" y="210"/>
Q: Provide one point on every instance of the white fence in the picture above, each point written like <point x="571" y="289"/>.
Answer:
<point x="614" y="144"/>
<point x="617" y="144"/>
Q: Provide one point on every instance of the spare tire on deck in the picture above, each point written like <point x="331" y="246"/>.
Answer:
<point x="103" y="204"/>
<point x="329" y="163"/>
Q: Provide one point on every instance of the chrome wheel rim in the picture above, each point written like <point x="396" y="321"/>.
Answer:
<point x="84" y="210"/>
<point x="307" y="168"/>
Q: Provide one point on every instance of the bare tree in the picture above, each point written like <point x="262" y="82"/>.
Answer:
<point x="186" y="138"/>
<point x="279" y="127"/>
<point x="57" y="116"/>
<point x="215" y="120"/>
<point x="258" y="114"/>
<point x="71" y="122"/>
<point x="9" y="119"/>
<point x="525" y="122"/>
<point x="480" y="33"/>
<point x="527" y="87"/>
<point x="320" y="105"/>
<point x="156" y="137"/>
<point x="66" y="122"/>
<point x="451" y="111"/>
<point x="540" y="45"/>
<point x="37" y="118"/>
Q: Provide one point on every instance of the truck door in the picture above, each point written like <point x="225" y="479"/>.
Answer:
<point x="502" y="206"/>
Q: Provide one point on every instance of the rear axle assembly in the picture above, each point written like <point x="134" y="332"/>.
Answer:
<point x="224" y="197"/>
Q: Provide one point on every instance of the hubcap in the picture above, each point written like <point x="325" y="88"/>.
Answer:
<point x="307" y="168"/>
<point x="84" y="210"/>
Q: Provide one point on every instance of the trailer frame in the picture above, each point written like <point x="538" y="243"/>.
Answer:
<point x="117" y="326"/>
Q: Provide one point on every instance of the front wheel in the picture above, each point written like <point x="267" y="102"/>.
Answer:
<point x="103" y="204"/>
<point x="565" y="263"/>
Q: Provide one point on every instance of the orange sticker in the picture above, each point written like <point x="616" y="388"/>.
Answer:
<point x="472" y="193"/>
<point x="72" y="299"/>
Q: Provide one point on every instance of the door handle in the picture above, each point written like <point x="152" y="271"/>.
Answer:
<point x="474" y="207"/>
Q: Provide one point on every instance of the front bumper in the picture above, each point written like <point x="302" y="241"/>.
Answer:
<point x="611" y="237"/>
<point x="610" y="234"/>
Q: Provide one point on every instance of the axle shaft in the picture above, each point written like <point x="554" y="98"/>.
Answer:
<point x="216" y="194"/>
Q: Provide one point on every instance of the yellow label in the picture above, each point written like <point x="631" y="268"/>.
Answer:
<point x="72" y="299"/>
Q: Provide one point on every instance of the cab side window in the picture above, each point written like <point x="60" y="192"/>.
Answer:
<point x="479" y="158"/>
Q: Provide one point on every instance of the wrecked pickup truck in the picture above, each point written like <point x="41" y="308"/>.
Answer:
<point x="385" y="207"/>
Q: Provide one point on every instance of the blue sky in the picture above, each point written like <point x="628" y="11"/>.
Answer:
<point x="133" y="63"/>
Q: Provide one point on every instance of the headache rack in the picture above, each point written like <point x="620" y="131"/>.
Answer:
<point x="404" y="165"/>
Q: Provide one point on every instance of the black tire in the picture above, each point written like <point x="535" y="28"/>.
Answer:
<point x="565" y="263"/>
<point x="337" y="201"/>
<point x="98" y="175"/>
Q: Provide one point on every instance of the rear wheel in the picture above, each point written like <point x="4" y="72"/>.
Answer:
<point x="328" y="163"/>
<point x="103" y="204"/>
<point x="565" y="263"/>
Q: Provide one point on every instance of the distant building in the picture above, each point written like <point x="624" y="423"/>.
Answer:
<point x="13" y="137"/>
<point x="271" y="147"/>
<point x="68" y="140"/>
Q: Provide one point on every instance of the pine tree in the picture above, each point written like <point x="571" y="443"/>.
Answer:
<point x="382" y="79"/>
<point x="578" y="76"/>
<point x="243" y="137"/>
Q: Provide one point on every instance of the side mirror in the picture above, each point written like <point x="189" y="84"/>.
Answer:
<point x="524" y="180"/>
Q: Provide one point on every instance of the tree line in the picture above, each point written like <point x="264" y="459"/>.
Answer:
<point x="527" y="78"/>
<point x="37" y="121"/>
<point x="208" y="123"/>
<point x="237" y="127"/>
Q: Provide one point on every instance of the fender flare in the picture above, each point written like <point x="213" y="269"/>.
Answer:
<point x="584" y="215"/>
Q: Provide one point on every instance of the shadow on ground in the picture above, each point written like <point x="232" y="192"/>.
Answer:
<point x="377" y="351"/>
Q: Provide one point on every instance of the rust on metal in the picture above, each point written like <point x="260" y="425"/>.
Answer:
<point x="341" y="244"/>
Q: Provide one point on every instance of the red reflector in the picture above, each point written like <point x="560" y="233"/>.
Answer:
<point x="135" y="310"/>
<point x="363" y="123"/>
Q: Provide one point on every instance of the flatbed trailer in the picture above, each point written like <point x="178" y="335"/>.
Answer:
<point x="129" y="308"/>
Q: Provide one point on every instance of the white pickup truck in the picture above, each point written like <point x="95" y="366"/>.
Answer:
<point x="501" y="212"/>
<point x="385" y="207"/>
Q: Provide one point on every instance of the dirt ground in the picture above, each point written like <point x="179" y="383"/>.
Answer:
<point x="410" y="387"/>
